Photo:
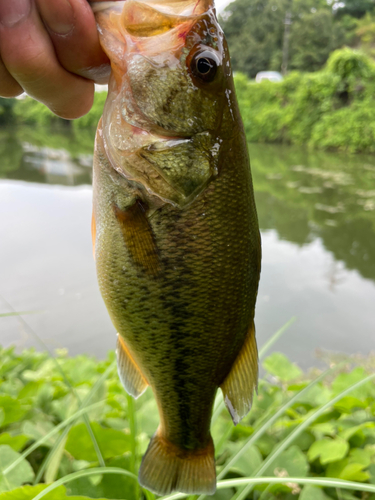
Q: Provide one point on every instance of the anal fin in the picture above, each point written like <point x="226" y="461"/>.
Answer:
<point x="239" y="385"/>
<point x="130" y="375"/>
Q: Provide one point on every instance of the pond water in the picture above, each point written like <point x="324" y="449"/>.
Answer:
<point x="316" y="214"/>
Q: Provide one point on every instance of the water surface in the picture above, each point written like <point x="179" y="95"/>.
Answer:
<point x="316" y="214"/>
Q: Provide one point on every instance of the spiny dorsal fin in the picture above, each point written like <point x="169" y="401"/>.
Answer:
<point x="166" y="468"/>
<point x="130" y="375"/>
<point x="238" y="387"/>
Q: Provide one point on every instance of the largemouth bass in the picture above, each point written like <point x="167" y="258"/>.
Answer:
<point x="175" y="229"/>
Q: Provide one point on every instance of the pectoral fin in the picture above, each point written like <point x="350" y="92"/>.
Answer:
<point x="138" y="237"/>
<point x="130" y="375"/>
<point x="238" y="387"/>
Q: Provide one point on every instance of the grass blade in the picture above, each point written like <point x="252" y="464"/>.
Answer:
<point x="259" y="432"/>
<point x="263" y="428"/>
<point x="275" y="337"/>
<point x="54" y="431"/>
<point x="64" y="434"/>
<point x="133" y="436"/>
<point x="85" y="473"/>
<point x="66" y="380"/>
<point x="296" y="432"/>
<point x="219" y="403"/>
<point x="18" y="313"/>
<point x="252" y="481"/>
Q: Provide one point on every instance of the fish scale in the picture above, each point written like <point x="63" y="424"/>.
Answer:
<point x="178" y="273"/>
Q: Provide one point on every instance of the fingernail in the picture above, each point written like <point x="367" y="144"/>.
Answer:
<point x="13" y="11"/>
<point x="57" y="15"/>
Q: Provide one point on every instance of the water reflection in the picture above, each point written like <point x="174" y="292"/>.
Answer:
<point x="316" y="213"/>
<point x="305" y="195"/>
<point x="53" y="157"/>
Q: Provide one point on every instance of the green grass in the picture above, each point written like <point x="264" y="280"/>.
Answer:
<point x="308" y="436"/>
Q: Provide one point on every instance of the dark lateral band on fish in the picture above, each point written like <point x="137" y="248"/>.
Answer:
<point x="138" y="237"/>
<point x="177" y="242"/>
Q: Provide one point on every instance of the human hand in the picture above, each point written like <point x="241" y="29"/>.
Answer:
<point x="50" y="49"/>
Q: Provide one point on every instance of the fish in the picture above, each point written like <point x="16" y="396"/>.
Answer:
<point x="175" y="229"/>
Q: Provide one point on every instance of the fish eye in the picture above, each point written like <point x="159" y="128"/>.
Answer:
<point x="204" y="64"/>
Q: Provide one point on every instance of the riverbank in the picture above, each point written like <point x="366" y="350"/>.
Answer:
<point x="331" y="109"/>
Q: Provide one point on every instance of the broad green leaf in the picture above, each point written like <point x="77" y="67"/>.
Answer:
<point x="53" y="466"/>
<point x="248" y="462"/>
<point x="116" y="486"/>
<point x="226" y="494"/>
<point x="111" y="486"/>
<point x="37" y="430"/>
<point x="325" y="428"/>
<point x="328" y="450"/>
<point x="266" y="444"/>
<point x="345" y="380"/>
<point x="30" y="390"/>
<point x="351" y="431"/>
<point x="15" y="442"/>
<point x="371" y="470"/>
<point x="111" y="442"/>
<point x="13" y="411"/>
<point x="23" y="473"/>
<point x="354" y="472"/>
<point x="316" y="396"/>
<point x="293" y="461"/>
<point x="148" y="417"/>
<point x="2" y="416"/>
<point x="360" y="456"/>
<point x="346" y="404"/>
<point x="29" y="492"/>
<point x="279" y="365"/>
<point x="310" y="492"/>
<point x="334" y="469"/>
<point x="304" y="440"/>
<point x="344" y="469"/>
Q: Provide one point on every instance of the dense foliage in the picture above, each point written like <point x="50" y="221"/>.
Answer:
<point x="255" y="33"/>
<point x="259" y="31"/>
<point x="309" y="436"/>
<point x="333" y="108"/>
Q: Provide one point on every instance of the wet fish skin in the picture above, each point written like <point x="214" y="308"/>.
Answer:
<point x="177" y="248"/>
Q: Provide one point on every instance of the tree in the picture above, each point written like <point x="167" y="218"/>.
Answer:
<point x="314" y="36"/>
<point x="255" y="32"/>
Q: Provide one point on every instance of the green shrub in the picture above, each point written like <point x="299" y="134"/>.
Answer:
<point x="330" y="109"/>
<point x="29" y="111"/>
<point x="350" y="64"/>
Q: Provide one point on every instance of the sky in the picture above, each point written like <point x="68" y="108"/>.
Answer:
<point x="221" y="4"/>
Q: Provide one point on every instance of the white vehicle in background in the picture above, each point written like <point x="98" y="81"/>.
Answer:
<point x="272" y="76"/>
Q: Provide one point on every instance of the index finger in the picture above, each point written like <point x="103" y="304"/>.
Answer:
<point x="72" y="28"/>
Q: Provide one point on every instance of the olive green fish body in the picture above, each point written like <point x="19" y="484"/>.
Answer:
<point x="177" y="252"/>
<point x="187" y="322"/>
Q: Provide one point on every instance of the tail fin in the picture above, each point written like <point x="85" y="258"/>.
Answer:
<point x="166" y="468"/>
